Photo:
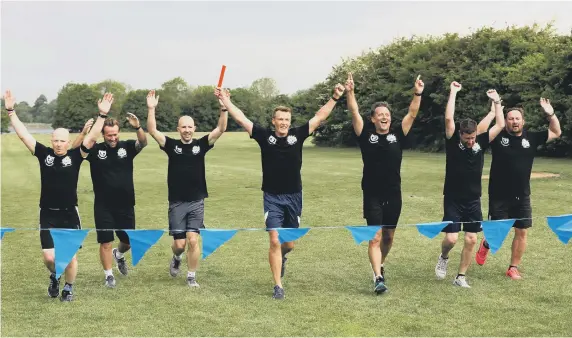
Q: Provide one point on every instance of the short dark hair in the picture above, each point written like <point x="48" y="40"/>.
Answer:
<point x="517" y="109"/>
<point x="110" y="122"/>
<point x="377" y="105"/>
<point x="281" y="108"/>
<point x="467" y="126"/>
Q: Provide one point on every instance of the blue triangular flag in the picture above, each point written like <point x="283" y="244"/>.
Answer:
<point x="66" y="244"/>
<point x="496" y="231"/>
<point x="431" y="230"/>
<point x="290" y="234"/>
<point x="4" y="230"/>
<point x="363" y="233"/>
<point x="561" y="226"/>
<point x="141" y="241"/>
<point x="213" y="239"/>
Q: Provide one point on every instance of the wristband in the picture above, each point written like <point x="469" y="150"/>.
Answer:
<point x="224" y="109"/>
<point x="138" y="128"/>
<point x="417" y="94"/>
<point x="9" y="109"/>
<point x="84" y="148"/>
<point x="102" y="116"/>
<point x="497" y="102"/>
<point x="334" y="98"/>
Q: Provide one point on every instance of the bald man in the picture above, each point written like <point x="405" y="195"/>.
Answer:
<point x="187" y="184"/>
<point x="111" y="165"/>
<point x="59" y="170"/>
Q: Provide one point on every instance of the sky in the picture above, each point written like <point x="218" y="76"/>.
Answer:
<point x="142" y="43"/>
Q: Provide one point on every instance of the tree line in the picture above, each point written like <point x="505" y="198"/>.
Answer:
<point x="521" y="63"/>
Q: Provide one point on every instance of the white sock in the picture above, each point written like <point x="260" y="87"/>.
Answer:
<point x="191" y="274"/>
<point x="118" y="255"/>
<point x="108" y="272"/>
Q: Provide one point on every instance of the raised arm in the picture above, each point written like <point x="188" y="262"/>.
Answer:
<point x="554" y="130"/>
<point x="357" y="120"/>
<point x="413" y="107"/>
<point x="79" y="139"/>
<point x="141" y="137"/>
<point x="322" y="114"/>
<point x="19" y="127"/>
<point x="450" y="110"/>
<point x="104" y="106"/>
<point x="485" y="123"/>
<point x="499" y="117"/>
<point x="152" y="103"/>
<point x="222" y="121"/>
<point x="234" y="112"/>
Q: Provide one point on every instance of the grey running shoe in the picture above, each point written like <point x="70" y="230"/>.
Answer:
<point x="192" y="282"/>
<point x="278" y="292"/>
<point x="121" y="263"/>
<point x="54" y="287"/>
<point x="174" y="267"/>
<point x="67" y="296"/>
<point x="110" y="281"/>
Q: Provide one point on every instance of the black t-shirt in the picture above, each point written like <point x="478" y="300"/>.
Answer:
<point x="464" y="167"/>
<point x="281" y="158"/>
<point x="512" y="159"/>
<point x="112" y="173"/>
<point x="381" y="155"/>
<point x="59" y="175"/>
<point x="186" y="173"/>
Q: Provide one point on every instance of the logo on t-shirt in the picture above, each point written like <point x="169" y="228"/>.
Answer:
<point x="291" y="139"/>
<point x="391" y="138"/>
<point x="178" y="150"/>
<point x="272" y="139"/>
<point x="373" y="138"/>
<point x="476" y="148"/>
<point x="49" y="160"/>
<point x="504" y="141"/>
<point x="196" y="150"/>
<point x="66" y="162"/>
<point x="525" y="143"/>
<point x="102" y="154"/>
<point x="121" y="153"/>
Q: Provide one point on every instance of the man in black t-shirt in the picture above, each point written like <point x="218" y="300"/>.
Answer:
<point x="465" y="153"/>
<point x="381" y="148"/>
<point x="513" y="154"/>
<point x="59" y="172"/>
<point x="111" y="165"/>
<point x="186" y="183"/>
<point x="281" y="153"/>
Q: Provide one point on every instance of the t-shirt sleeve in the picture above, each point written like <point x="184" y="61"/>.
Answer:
<point x="483" y="140"/>
<point x="40" y="151"/>
<point x="168" y="147"/>
<point x="75" y="154"/>
<point x="303" y="131"/>
<point x="131" y="149"/>
<point x="204" y="143"/>
<point x="404" y="140"/>
<point x="538" y="137"/>
<point x="259" y="133"/>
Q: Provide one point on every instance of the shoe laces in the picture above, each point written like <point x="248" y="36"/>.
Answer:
<point x="442" y="263"/>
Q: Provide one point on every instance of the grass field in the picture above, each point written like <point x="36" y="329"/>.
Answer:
<point x="329" y="290"/>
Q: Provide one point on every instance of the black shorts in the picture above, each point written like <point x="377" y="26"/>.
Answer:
<point x="380" y="210"/>
<point x="458" y="211"/>
<point x="186" y="217"/>
<point x="113" y="218"/>
<point x="67" y="218"/>
<point x="512" y="207"/>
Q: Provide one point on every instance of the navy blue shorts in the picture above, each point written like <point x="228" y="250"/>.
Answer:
<point x="282" y="210"/>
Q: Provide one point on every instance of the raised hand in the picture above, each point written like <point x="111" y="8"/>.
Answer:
<point x="87" y="126"/>
<point x="104" y="104"/>
<point x="152" y="101"/>
<point x="225" y="93"/>
<point x="493" y="95"/>
<point x="545" y="104"/>
<point x="350" y="86"/>
<point x="338" y="91"/>
<point x="133" y="120"/>
<point x="455" y="87"/>
<point x="9" y="100"/>
<point x="419" y="85"/>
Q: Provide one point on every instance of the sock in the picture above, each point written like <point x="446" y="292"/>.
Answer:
<point x="108" y="272"/>
<point x="461" y="275"/>
<point x="118" y="255"/>
<point x="68" y="287"/>
<point x="486" y="245"/>
<point x="191" y="274"/>
<point x="178" y="257"/>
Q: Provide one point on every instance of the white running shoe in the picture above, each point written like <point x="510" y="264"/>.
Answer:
<point x="461" y="281"/>
<point x="441" y="267"/>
